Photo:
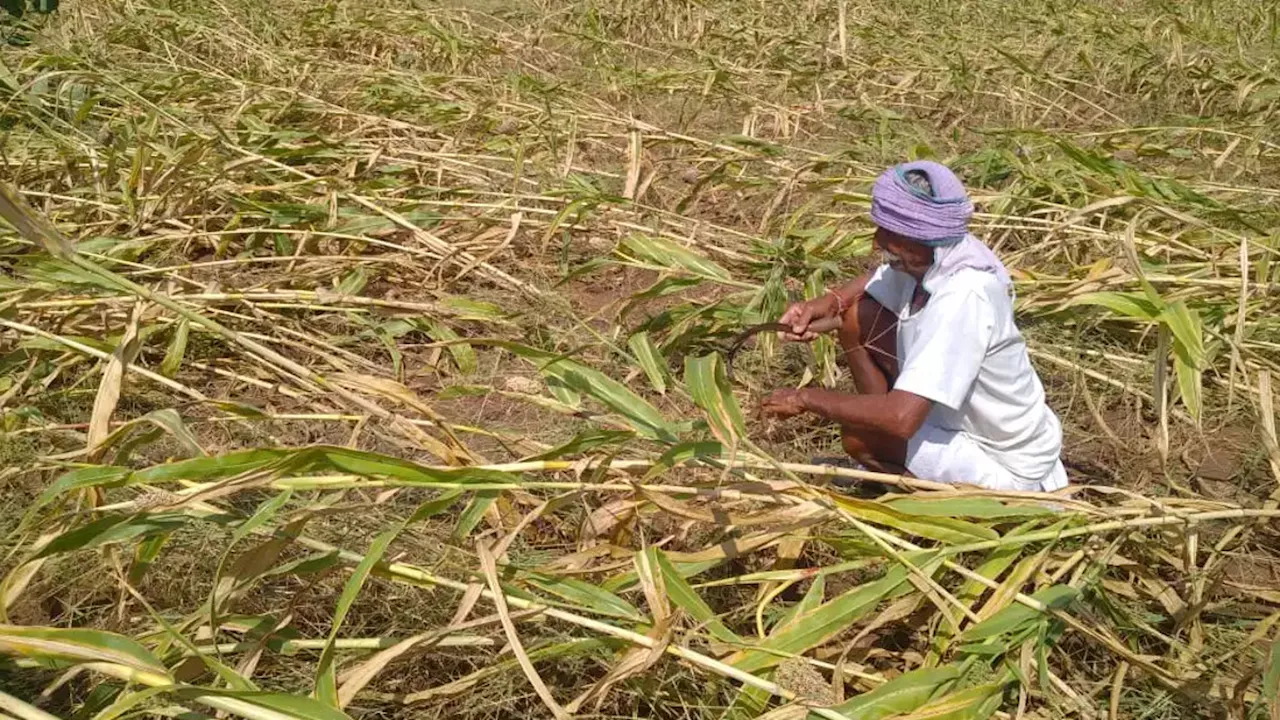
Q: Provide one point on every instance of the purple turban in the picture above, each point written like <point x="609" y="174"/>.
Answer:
<point x="935" y="212"/>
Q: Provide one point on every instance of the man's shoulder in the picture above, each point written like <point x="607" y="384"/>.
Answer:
<point x="983" y="284"/>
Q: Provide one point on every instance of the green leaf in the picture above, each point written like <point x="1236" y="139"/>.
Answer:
<point x="127" y="701"/>
<point x="353" y="282"/>
<point x="110" y="529"/>
<point x="62" y="273"/>
<point x="356" y="224"/>
<point x="571" y="648"/>
<point x="233" y="679"/>
<point x="95" y="476"/>
<point x="474" y="512"/>
<point x="145" y="554"/>
<point x="128" y="436"/>
<point x="240" y="409"/>
<point x="368" y="464"/>
<point x="170" y="421"/>
<point x="77" y="645"/>
<point x="434" y="507"/>
<point x="668" y="254"/>
<point x="811" y="600"/>
<point x="998" y="561"/>
<point x="250" y="564"/>
<point x="297" y="707"/>
<point x="662" y="288"/>
<point x="980" y="508"/>
<point x="1187" y="331"/>
<point x="626" y="580"/>
<point x="202" y="469"/>
<point x="586" y="441"/>
<point x="459" y="391"/>
<point x="683" y="453"/>
<point x="900" y="695"/>
<point x="242" y="571"/>
<point x="687" y="599"/>
<point x="831" y="618"/>
<point x="704" y="377"/>
<point x="650" y="359"/>
<point x="1190" y="383"/>
<point x="464" y="308"/>
<point x="975" y="703"/>
<point x="643" y="417"/>
<point x="326" y="676"/>
<point x="464" y="356"/>
<point x="260" y="517"/>
<point x="763" y="146"/>
<point x="177" y="349"/>
<point x="1128" y="305"/>
<point x="308" y="565"/>
<point x="585" y="268"/>
<point x="567" y="396"/>
<point x="750" y="702"/>
<point x="40" y="343"/>
<point x="584" y="595"/>
<point x="207" y="469"/>
<point x="948" y="530"/>
<point x="1017" y="617"/>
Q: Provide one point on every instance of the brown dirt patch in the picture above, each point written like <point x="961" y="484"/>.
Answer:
<point x="1252" y="570"/>
<point x="605" y="292"/>
<point x="1222" y="455"/>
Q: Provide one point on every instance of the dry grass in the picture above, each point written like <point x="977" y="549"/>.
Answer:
<point x="467" y="235"/>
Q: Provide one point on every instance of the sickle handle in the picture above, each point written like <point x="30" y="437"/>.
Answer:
<point x="818" y="326"/>
<point x="825" y="324"/>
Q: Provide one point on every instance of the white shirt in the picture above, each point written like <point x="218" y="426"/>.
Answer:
<point x="963" y="352"/>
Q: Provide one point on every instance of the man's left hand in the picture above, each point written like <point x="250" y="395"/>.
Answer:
<point x="783" y="403"/>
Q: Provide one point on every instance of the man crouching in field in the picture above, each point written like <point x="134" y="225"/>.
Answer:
<point x="946" y="389"/>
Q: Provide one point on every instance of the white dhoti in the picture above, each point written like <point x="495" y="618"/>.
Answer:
<point x="952" y="456"/>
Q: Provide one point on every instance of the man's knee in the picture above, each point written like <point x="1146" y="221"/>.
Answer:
<point x="875" y="321"/>
<point x="877" y="332"/>
<point x="876" y="450"/>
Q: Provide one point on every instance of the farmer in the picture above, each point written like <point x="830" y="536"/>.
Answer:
<point x="946" y="390"/>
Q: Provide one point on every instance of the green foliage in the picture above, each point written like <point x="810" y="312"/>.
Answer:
<point x="706" y="381"/>
<point x="69" y="645"/>
<point x="18" y="8"/>
<point x="902" y="695"/>
<point x="350" y="230"/>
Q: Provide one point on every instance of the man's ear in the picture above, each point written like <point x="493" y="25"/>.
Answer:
<point x="925" y="253"/>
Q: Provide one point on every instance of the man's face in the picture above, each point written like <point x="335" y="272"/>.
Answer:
<point x="902" y="254"/>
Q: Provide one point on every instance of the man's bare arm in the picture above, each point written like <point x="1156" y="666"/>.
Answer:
<point x="897" y="412"/>
<point x="801" y="314"/>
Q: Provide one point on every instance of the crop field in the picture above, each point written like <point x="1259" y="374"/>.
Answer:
<point x="367" y="359"/>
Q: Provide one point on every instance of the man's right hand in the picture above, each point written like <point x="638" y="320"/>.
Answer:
<point x="800" y="316"/>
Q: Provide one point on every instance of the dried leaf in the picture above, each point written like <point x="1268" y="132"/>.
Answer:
<point x="490" y="570"/>
<point x="104" y="404"/>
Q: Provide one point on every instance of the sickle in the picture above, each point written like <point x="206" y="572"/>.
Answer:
<point x="818" y="326"/>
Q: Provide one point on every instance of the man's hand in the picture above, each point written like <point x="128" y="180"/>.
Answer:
<point x="800" y="315"/>
<point x="784" y="403"/>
